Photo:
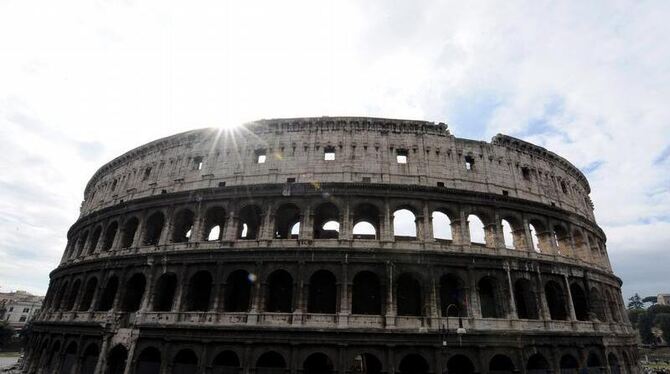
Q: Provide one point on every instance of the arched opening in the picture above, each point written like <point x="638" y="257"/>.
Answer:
<point x="562" y="240"/>
<point x="81" y="244"/>
<point x="366" y="363"/>
<point x="409" y="296"/>
<point x="238" y="291"/>
<point x="72" y="297"/>
<point x="555" y="300"/>
<point x="52" y="361"/>
<point x="537" y="364"/>
<point x="90" y="359"/>
<point x="579" y="302"/>
<point x="94" y="239"/>
<point x="288" y="215"/>
<point x="568" y="364"/>
<point x="613" y="362"/>
<point x="508" y="234"/>
<point x="69" y="359"/>
<point x="452" y="296"/>
<point x="164" y="293"/>
<point x="149" y="361"/>
<point x="185" y="362"/>
<point x="626" y="363"/>
<point x="404" y="224"/>
<point x="60" y="295"/>
<point x="366" y="222"/>
<point x="477" y="231"/>
<point x="129" y="230"/>
<point x="110" y="235"/>
<point x="501" y="364"/>
<point x="134" y="291"/>
<point x="441" y="226"/>
<point x="534" y="239"/>
<point x="89" y="292"/>
<point x="154" y="228"/>
<point x="322" y="292"/>
<point x="116" y="361"/>
<point x="366" y="294"/>
<point x="597" y="305"/>
<point x="182" y="227"/>
<point x="250" y="219"/>
<point x="593" y="363"/>
<point x="580" y="245"/>
<point x="215" y="219"/>
<point x="326" y="222"/>
<point x="488" y="298"/>
<point x="199" y="292"/>
<point x="270" y="360"/>
<point x="413" y="363"/>
<point x="108" y="294"/>
<point x="280" y="292"/>
<point x="460" y="364"/>
<point x="226" y="362"/>
<point x="317" y="363"/>
<point x="525" y="300"/>
<point x="613" y="306"/>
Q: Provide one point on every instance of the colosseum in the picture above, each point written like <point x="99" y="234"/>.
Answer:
<point x="334" y="245"/>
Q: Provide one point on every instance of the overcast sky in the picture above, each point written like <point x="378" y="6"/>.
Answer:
<point x="82" y="82"/>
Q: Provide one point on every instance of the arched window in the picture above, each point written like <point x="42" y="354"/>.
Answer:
<point x="535" y="240"/>
<point x="413" y="363"/>
<point x="366" y="363"/>
<point x="89" y="292"/>
<point x="366" y="294"/>
<point x="116" y="361"/>
<point x="94" y="239"/>
<point x="90" y="359"/>
<point x="580" y="245"/>
<point x="164" y="293"/>
<point x="501" y="364"/>
<point x="488" y="298"/>
<point x="280" y="292"/>
<point x="110" y="235"/>
<point x="250" y="222"/>
<point x="185" y="362"/>
<point x="326" y="222"/>
<point x="134" y="291"/>
<point x="364" y="230"/>
<point x="53" y="357"/>
<point x="270" y="360"/>
<point x="129" y="229"/>
<point x="568" y="364"/>
<point x="579" y="302"/>
<point x="182" y="227"/>
<point x="452" y="296"/>
<point x="199" y="292"/>
<point x="288" y="215"/>
<point x="226" y="362"/>
<point x="72" y="297"/>
<point x="460" y="364"/>
<point x="238" y="291"/>
<point x="60" y="295"/>
<point x="322" y="292"/>
<point x="80" y="245"/>
<point x="508" y="234"/>
<point x="215" y="219"/>
<point x="404" y="224"/>
<point x="476" y="228"/>
<point x="149" y="361"/>
<point x="556" y="300"/>
<point x="562" y="240"/>
<point x="613" y="362"/>
<point x="441" y="226"/>
<point x="537" y="364"/>
<point x="409" y="296"/>
<point x="70" y="358"/>
<point x="597" y="305"/>
<point x="317" y="363"/>
<point x="525" y="300"/>
<point x="109" y="294"/>
<point x="154" y="228"/>
<point x="366" y="222"/>
<point x="593" y="363"/>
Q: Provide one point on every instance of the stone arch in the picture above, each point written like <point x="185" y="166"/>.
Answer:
<point x="226" y="362"/>
<point x="80" y="244"/>
<point x="539" y="235"/>
<point x="69" y="358"/>
<point x="581" y="247"/>
<point x="597" y="304"/>
<point x="501" y="364"/>
<point x="452" y="292"/>
<point x="270" y="360"/>
<point x="182" y="228"/>
<point x="579" y="302"/>
<point x="568" y="364"/>
<point x="116" y="360"/>
<point x="366" y="363"/>
<point x="409" y="295"/>
<point x="153" y="228"/>
<point x="185" y="362"/>
<point x="556" y="300"/>
<point x="514" y="236"/>
<point x="593" y="363"/>
<point x="366" y="294"/>
<point x="322" y="292"/>
<point x="404" y="223"/>
<point x="286" y="219"/>
<point x="238" y="291"/>
<point x="134" y="291"/>
<point x="52" y="359"/>
<point x="89" y="359"/>
<point x="198" y="296"/>
<point x="106" y="301"/>
<point x="535" y="239"/>
<point x="613" y="363"/>
<point x="95" y="238"/>
<point x="525" y="299"/>
<point x="215" y="220"/>
<point x="250" y="219"/>
<point x="326" y="221"/>
<point x="476" y="229"/>
<point x="613" y="306"/>
<point x="279" y="292"/>
<point x="128" y="233"/>
<point x="317" y="363"/>
<point x="561" y="237"/>
<point x="365" y="221"/>
<point x="507" y="234"/>
<point x="89" y="292"/>
<point x="413" y="363"/>
<point x="110" y="235"/>
<point x="164" y="292"/>
<point x="489" y="298"/>
<point x="442" y="226"/>
<point x="460" y="364"/>
<point x="60" y="295"/>
<point x="72" y="296"/>
<point x="149" y="361"/>
<point x="537" y="364"/>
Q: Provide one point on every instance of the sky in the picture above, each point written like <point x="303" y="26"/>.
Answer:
<point x="83" y="81"/>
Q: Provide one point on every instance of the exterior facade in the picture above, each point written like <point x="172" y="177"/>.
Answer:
<point x="18" y="308"/>
<point x="663" y="299"/>
<point x="334" y="245"/>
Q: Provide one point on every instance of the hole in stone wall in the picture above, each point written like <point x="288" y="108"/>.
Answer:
<point x="404" y="224"/>
<point x="183" y="224"/>
<point x="476" y="228"/>
<point x="441" y="226"/>
<point x="366" y="294"/>
<point x="401" y="156"/>
<point x="329" y="153"/>
<point x="166" y="286"/>
<point x="469" y="163"/>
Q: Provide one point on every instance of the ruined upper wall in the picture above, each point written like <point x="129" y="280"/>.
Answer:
<point x="366" y="150"/>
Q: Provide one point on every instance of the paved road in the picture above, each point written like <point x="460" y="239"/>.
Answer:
<point x="8" y="361"/>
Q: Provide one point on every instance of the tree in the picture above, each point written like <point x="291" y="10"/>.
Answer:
<point x="6" y="333"/>
<point x="650" y="299"/>
<point x="635" y="302"/>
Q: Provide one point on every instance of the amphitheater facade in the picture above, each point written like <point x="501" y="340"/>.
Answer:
<point x="334" y="245"/>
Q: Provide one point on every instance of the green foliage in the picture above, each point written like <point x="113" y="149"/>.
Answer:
<point x="650" y="299"/>
<point x="644" y="324"/>
<point x="662" y="321"/>
<point x="634" y="316"/>
<point x="635" y="302"/>
<point x="6" y="333"/>
<point x="656" y="309"/>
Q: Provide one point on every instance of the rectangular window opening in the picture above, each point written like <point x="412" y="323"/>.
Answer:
<point x="469" y="162"/>
<point x="525" y="172"/>
<point x="260" y="156"/>
<point x="401" y="156"/>
<point x="329" y="153"/>
<point x="290" y="180"/>
<point x="440" y="184"/>
<point x="366" y="179"/>
<point x="505" y="193"/>
<point x="222" y="184"/>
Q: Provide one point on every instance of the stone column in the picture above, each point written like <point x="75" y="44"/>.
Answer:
<point x="217" y="287"/>
<point x="168" y="228"/>
<point x="390" y="303"/>
<point x="568" y="292"/>
<point x="386" y="232"/>
<point x="149" y="289"/>
<point x="179" y="292"/>
<point x="464" y="228"/>
<point x="542" y="299"/>
<point x="306" y="224"/>
<point x="427" y="224"/>
<point x="344" y="309"/>
<point x="102" y="357"/>
<point x="474" y="304"/>
<point x="231" y="227"/>
<point x="346" y="228"/>
<point x="266" y="231"/>
<point x="512" y="304"/>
